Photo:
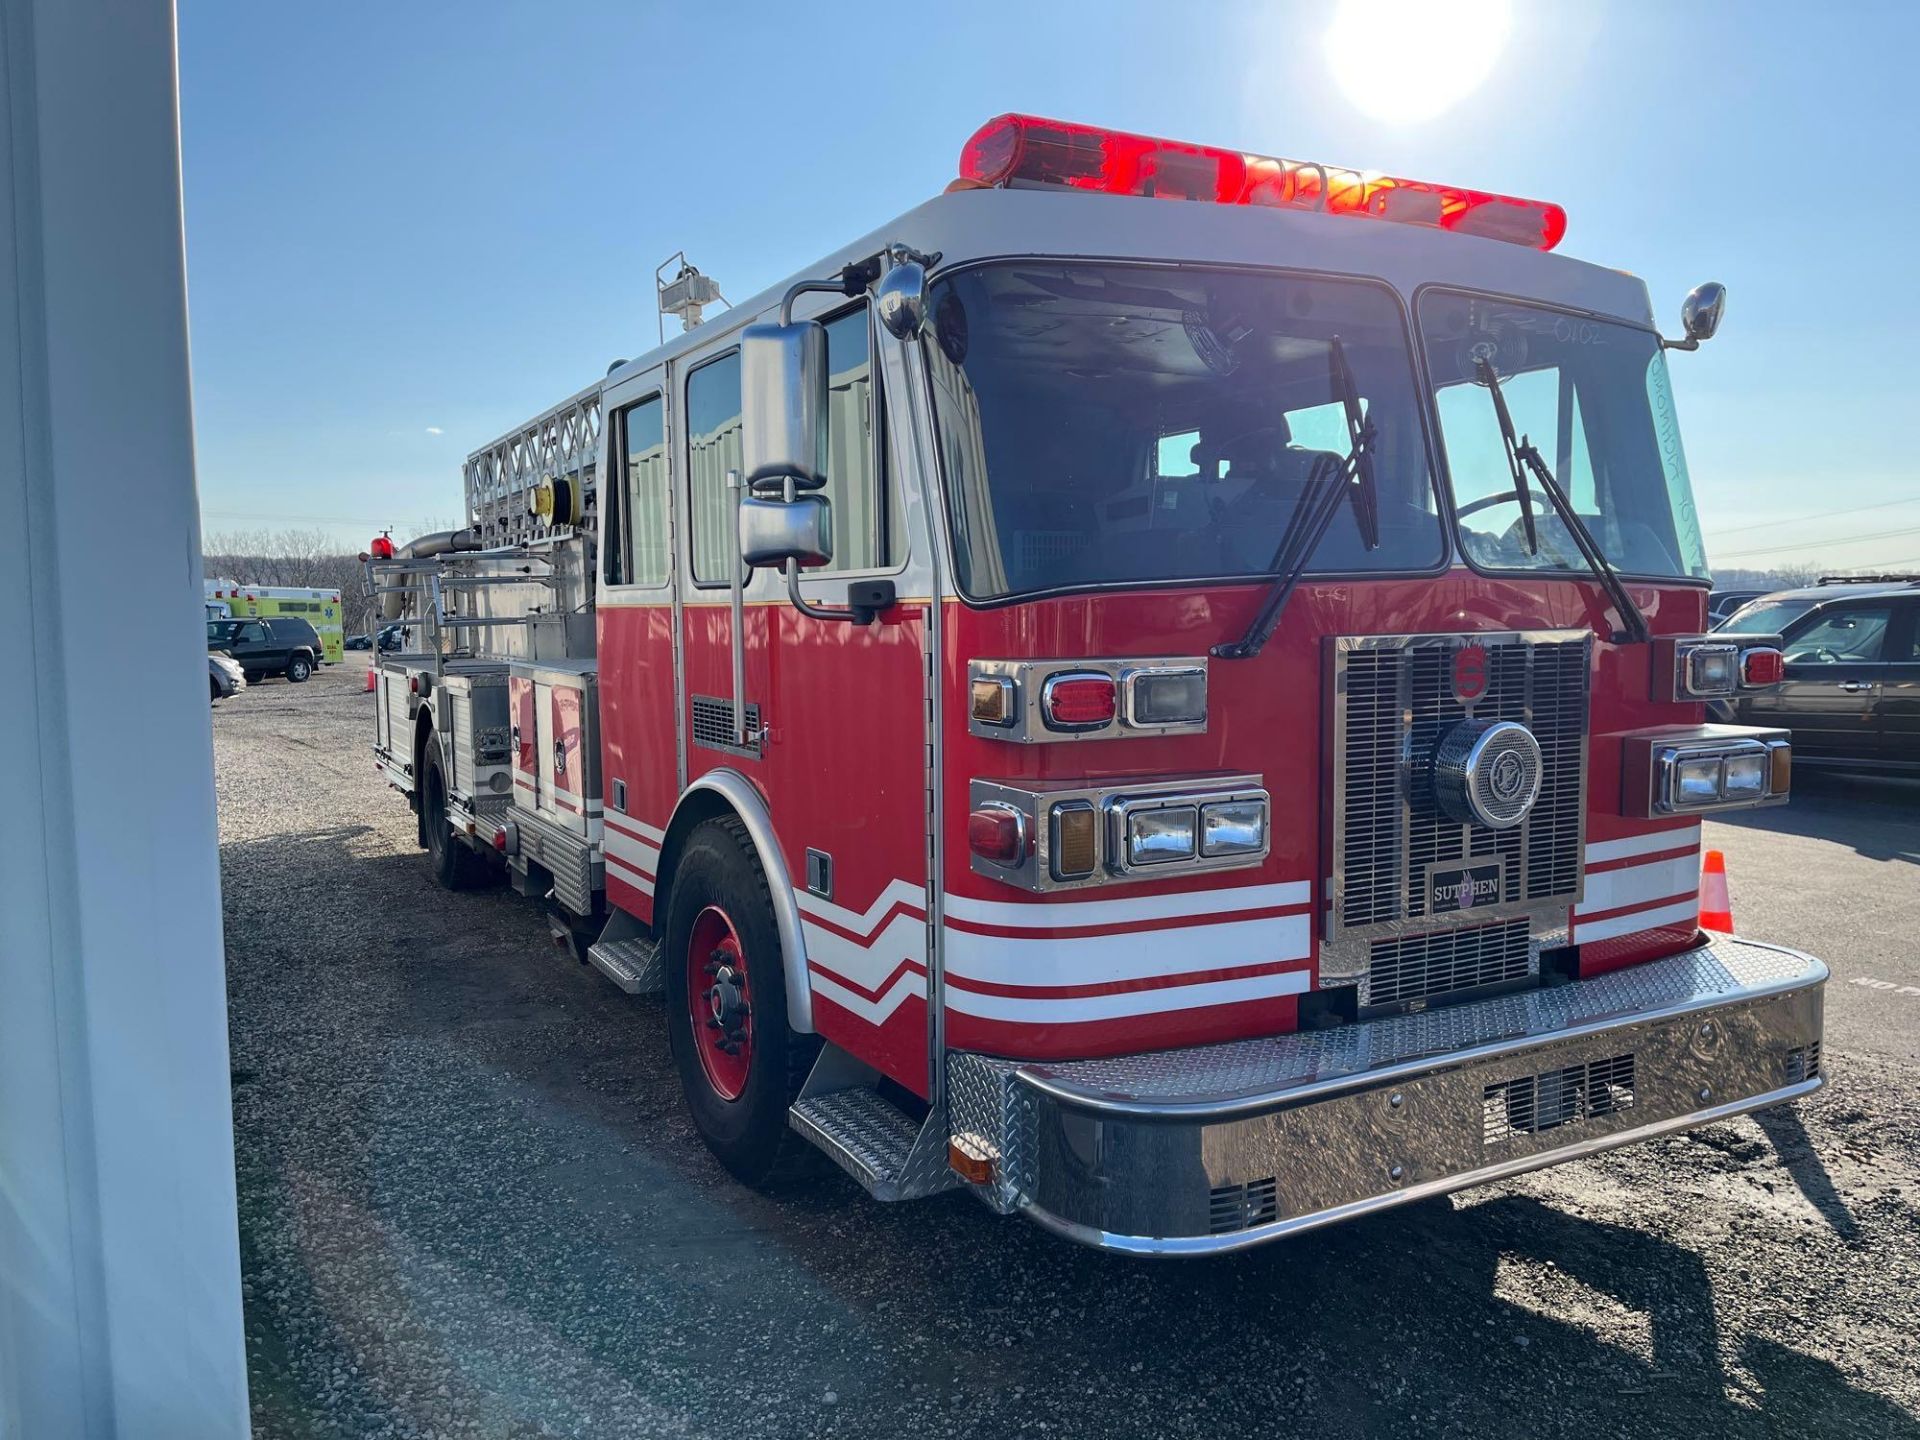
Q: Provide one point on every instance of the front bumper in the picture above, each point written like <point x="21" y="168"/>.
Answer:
<point x="1194" y="1152"/>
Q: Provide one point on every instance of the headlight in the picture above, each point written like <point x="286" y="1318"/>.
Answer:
<point x="1233" y="827"/>
<point x="1156" y="698"/>
<point x="1721" y="773"/>
<point x="1159" y="837"/>
<point x="1712" y="670"/>
<point x="1745" y="777"/>
<point x="1697" y="782"/>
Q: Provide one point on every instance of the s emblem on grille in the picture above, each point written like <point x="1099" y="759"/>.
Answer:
<point x="1469" y="673"/>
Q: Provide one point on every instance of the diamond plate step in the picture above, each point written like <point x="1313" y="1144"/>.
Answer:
<point x="633" y="965"/>
<point x="891" y="1154"/>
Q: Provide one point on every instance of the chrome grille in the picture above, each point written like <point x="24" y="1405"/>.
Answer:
<point x="1394" y="699"/>
<point x="1241" y="1207"/>
<point x="1533" y="1103"/>
<point x="713" y="725"/>
<point x="1413" y="967"/>
<point x="1803" y="1063"/>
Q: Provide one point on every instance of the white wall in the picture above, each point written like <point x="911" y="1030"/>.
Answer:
<point x="119" y="1265"/>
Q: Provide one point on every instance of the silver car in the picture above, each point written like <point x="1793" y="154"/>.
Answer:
<point x="224" y="676"/>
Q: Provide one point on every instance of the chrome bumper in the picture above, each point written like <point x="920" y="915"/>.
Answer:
<point x="1194" y="1152"/>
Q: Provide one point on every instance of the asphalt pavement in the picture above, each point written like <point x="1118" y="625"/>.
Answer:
<point x="471" y="1204"/>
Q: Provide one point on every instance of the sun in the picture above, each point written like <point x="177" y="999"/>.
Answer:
<point x="1404" y="61"/>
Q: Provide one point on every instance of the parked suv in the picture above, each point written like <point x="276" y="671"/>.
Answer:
<point x="280" y="646"/>
<point x="1852" y="692"/>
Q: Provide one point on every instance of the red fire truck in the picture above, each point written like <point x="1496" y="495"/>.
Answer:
<point x="1186" y="719"/>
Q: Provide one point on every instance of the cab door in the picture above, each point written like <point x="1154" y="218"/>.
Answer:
<point x="1832" y="687"/>
<point x="636" y="619"/>
<point x="837" y="711"/>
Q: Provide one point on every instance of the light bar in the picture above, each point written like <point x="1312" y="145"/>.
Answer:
<point x="1022" y="150"/>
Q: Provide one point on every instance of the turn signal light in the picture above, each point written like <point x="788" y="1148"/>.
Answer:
<point x="990" y="699"/>
<point x="1079" y="700"/>
<point x="1765" y="666"/>
<point x="997" y="833"/>
<point x="1076" y="840"/>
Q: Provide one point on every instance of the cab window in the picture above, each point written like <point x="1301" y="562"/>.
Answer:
<point x="1844" y="635"/>
<point x="713" y="448"/>
<point x="867" y="533"/>
<point x="641" y="557"/>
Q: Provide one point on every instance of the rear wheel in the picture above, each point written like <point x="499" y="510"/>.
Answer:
<point x="299" y="668"/>
<point x="455" y="865"/>
<point x="740" y="1066"/>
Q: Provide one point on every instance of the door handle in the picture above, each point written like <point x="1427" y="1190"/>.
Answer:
<point x="1855" y="687"/>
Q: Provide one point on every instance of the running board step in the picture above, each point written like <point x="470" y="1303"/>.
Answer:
<point x="633" y="965"/>
<point x="892" y="1155"/>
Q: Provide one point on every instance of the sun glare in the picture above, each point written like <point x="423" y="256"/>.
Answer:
<point x="1404" y="61"/>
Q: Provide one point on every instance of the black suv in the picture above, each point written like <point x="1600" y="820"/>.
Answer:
<point x="1852" y="692"/>
<point x="280" y="646"/>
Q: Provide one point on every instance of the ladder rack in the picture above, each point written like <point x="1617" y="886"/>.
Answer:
<point x="560" y="443"/>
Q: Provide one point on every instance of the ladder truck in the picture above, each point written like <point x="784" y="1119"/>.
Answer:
<point x="1165" y="687"/>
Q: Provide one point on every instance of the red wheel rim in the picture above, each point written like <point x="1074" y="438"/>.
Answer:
<point x="718" y="1003"/>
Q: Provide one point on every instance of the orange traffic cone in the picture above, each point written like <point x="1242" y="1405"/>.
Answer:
<point x="1716" y="906"/>
<point x="371" y="672"/>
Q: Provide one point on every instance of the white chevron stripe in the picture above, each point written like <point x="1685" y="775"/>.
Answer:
<point x="869" y="964"/>
<point x="1126" y="1002"/>
<point x="1636" y="884"/>
<point x="1643" y="844"/>
<point x="1033" y="915"/>
<point x="634" y="852"/>
<point x="632" y="877"/>
<point x="874" y="1012"/>
<point x="1685" y="911"/>
<point x="862" y="923"/>
<point x="644" y="830"/>
<point x="999" y="960"/>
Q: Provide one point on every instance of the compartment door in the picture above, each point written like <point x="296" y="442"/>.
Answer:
<point x="524" y="739"/>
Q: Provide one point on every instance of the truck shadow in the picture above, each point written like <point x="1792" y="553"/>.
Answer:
<point x="1875" y="816"/>
<point x="467" y="1186"/>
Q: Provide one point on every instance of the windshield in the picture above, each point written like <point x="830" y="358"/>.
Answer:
<point x="1765" y="617"/>
<point x="1594" y="399"/>
<point x="1109" y="425"/>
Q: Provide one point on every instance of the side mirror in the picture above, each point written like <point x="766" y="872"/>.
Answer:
<point x="900" y="300"/>
<point x="772" y="532"/>
<point x="783" y="392"/>
<point x="1701" y="311"/>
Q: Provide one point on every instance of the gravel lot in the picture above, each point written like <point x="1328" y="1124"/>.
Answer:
<point x="470" y="1204"/>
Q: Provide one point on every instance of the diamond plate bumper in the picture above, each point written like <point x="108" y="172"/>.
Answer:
<point x="1193" y="1152"/>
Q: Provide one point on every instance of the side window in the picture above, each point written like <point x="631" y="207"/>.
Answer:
<point x="867" y="534"/>
<point x="643" y="558"/>
<point x="713" y="448"/>
<point x="1843" y="635"/>
<point x="1907" y="651"/>
<point x="254" y="634"/>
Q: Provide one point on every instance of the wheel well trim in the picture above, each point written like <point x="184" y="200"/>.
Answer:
<point x="739" y="795"/>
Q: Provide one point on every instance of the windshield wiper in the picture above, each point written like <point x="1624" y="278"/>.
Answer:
<point x="1328" y="483"/>
<point x="1524" y="458"/>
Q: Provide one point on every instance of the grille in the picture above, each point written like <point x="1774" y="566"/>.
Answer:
<point x="1396" y="702"/>
<point x="1803" y="1062"/>
<point x="1416" y="966"/>
<point x="1241" y="1207"/>
<point x="713" y="725"/>
<point x="1532" y="1104"/>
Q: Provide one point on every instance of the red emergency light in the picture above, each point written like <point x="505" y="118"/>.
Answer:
<point x="1026" y="150"/>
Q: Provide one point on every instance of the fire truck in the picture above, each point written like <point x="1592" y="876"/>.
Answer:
<point x="1165" y="687"/>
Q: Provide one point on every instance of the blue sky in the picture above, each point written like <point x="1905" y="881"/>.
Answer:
<point x="410" y="218"/>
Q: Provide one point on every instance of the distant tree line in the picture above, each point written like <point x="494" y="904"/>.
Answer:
<point x="299" y="557"/>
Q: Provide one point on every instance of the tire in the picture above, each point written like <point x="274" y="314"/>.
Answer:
<point x="455" y="866"/>
<point x="214" y="686"/>
<point x="299" y="668"/>
<point x="721" y="908"/>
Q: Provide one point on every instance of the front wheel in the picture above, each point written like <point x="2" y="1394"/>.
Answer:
<point x="740" y="1066"/>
